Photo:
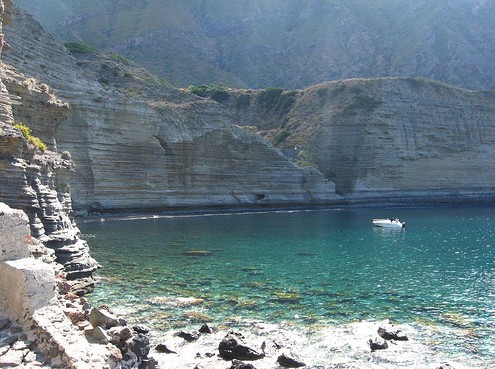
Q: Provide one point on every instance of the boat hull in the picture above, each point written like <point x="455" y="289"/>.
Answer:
<point x="388" y="223"/>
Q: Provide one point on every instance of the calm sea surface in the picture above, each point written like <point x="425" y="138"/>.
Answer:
<point x="308" y="269"/>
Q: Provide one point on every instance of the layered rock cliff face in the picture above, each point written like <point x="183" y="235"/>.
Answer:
<point x="384" y="140"/>
<point x="402" y="138"/>
<point x="137" y="147"/>
<point x="168" y="149"/>
<point x="36" y="181"/>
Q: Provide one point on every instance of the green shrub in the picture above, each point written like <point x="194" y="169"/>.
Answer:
<point x="199" y="90"/>
<point x="135" y="90"/>
<point x="286" y="102"/>
<point x="243" y="101"/>
<point x="80" y="47"/>
<point x="217" y="92"/>
<point x="268" y="98"/>
<point x="120" y="59"/>
<point x="361" y="102"/>
<point x="276" y="100"/>
<point x="219" y="95"/>
<point x="26" y="132"/>
<point x="281" y="137"/>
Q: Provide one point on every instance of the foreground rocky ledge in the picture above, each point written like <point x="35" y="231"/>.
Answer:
<point x="39" y="316"/>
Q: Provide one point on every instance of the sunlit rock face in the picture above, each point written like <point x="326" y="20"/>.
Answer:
<point x="139" y="145"/>
<point x="402" y="138"/>
<point x="37" y="180"/>
<point x="386" y="140"/>
<point x="166" y="149"/>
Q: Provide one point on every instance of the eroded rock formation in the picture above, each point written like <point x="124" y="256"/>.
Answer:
<point x="163" y="150"/>
<point x="37" y="180"/>
<point x="399" y="140"/>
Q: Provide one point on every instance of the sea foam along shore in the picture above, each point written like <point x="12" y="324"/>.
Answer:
<point x="353" y="346"/>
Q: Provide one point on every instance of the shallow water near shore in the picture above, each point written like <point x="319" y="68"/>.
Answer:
<point x="325" y="276"/>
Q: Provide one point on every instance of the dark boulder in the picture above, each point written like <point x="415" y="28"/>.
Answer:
<point x="377" y="343"/>
<point x="188" y="336"/>
<point x="205" y="328"/>
<point x="445" y="366"/>
<point x="289" y="362"/>
<point x="4" y="324"/>
<point x="389" y="332"/>
<point x="230" y="349"/>
<point x="237" y="364"/>
<point x="149" y="363"/>
<point x="140" y="345"/>
<point x="139" y="328"/>
<point x="162" y="348"/>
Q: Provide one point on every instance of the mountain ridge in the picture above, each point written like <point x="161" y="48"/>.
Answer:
<point x="287" y="44"/>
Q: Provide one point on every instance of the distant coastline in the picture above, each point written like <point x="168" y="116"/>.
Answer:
<point x="130" y="214"/>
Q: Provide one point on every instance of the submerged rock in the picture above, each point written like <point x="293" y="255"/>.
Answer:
<point x="197" y="253"/>
<point x="177" y="302"/>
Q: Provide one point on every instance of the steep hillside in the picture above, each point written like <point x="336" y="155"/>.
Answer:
<point x="289" y="44"/>
<point x="395" y="140"/>
<point x="139" y="144"/>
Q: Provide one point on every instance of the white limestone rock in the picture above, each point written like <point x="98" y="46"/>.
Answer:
<point x="14" y="228"/>
<point x="26" y="285"/>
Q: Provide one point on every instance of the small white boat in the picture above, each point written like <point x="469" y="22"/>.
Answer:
<point x="389" y="223"/>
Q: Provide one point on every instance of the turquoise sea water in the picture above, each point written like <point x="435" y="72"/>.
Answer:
<point x="308" y="269"/>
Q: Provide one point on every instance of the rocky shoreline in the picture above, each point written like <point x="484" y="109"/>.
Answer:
<point x="44" y="324"/>
<point x="257" y="345"/>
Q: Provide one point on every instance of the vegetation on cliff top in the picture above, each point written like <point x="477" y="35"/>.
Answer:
<point x="80" y="47"/>
<point x="114" y="70"/>
<point x="217" y="92"/>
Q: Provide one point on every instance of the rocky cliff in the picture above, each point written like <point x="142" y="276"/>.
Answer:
<point x="136" y="149"/>
<point x="37" y="180"/>
<point x="394" y="140"/>
<point x="139" y="144"/>
<point x="34" y="329"/>
<point x="290" y="44"/>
